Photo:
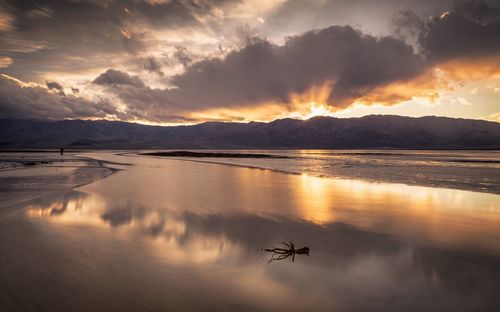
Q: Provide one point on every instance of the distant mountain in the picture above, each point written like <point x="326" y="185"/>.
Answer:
<point x="374" y="131"/>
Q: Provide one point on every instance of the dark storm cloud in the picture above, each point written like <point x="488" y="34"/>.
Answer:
<point x="355" y="63"/>
<point x="470" y="30"/>
<point x="262" y="72"/>
<point x="18" y="100"/>
<point x="116" y="77"/>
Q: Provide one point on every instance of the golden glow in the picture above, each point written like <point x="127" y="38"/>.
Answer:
<point x="425" y="86"/>
<point x="316" y="110"/>
<point x="410" y="98"/>
<point x="493" y="117"/>
<point x="21" y="83"/>
<point x="416" y="211"/>
<point x="77" y="210"/>
<point x="258" y="112"/>
<point x="316" y="204"/>
<point x="426" y="90"/>
<point x="464" y="70"/>
<point x="156" y="194"/>
<point x="90" y="209"/>
<point x="312" y="103"/>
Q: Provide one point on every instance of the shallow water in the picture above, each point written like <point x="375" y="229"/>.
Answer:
<point x="25" y="176"/>
<point x="466" y="170"/>
<point x="166" y="234"/>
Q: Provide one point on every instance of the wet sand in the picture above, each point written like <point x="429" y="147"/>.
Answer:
<point x="28" y="175"/>
<point x="164" y="234"/>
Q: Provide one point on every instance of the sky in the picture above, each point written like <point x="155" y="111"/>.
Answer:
<point x="189" y="61"/>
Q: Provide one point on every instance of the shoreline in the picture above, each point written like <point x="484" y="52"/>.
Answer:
<point x="95" y="170"/>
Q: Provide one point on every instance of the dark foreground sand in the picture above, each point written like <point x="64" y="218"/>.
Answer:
<point x="168" y="235"/>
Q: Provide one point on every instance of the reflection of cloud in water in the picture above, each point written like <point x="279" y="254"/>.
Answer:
<point x="423" y="213"/>
<point x="171" y="236"/>
<point x="344" y="257"/>
<point x="192" y="230"/>
<point x="211" y="232"/>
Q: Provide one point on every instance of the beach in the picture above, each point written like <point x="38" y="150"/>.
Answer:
<point x="120" y="231"/>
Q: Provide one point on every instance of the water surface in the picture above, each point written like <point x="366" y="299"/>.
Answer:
<point x="466" y="170"/>
<point x="165" y="234"/>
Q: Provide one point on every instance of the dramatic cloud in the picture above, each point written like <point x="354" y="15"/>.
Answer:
<point x="470" y="30"/>
<point x="116" y="77"/>
<point x="28" y="100"/>
<point x="188" y="61"/>
<point x="64" y="35"/>
<point x="351" y="63"/>
<point x="113" y="22"/>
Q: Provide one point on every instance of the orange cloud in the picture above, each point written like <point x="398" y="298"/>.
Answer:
<point x="424" y="86"/>
<point x="464" y="70"/>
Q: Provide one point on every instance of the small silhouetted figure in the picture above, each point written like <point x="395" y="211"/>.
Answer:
<point x="62" y="151"/>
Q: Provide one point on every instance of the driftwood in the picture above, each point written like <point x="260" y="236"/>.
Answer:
<point x="288" y="252"/>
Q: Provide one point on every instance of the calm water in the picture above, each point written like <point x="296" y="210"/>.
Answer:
<point x="467" y="170"/>
<point x="163" y="234"/>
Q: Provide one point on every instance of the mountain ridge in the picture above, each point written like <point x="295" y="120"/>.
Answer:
<point x="321" y="132"/>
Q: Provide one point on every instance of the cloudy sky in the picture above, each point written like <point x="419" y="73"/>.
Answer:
<point x="189" y="61"/>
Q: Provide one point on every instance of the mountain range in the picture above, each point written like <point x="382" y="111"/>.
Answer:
<point x="369" y="132"/>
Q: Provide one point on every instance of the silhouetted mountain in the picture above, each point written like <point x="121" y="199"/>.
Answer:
<point x="374" y="131"/>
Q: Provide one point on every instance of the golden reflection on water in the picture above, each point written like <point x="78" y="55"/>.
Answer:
<point x="197" y="231"/>
<point x="167" y="232"/>
<point x="315" y="199"/>
<point x="128" y="201"/>
<point x="74" y="210"/>
<point x="422" y="212"/>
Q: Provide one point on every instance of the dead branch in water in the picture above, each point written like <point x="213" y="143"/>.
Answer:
<point x="288" y="252"/>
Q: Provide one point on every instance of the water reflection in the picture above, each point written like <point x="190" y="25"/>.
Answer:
<point x="363" y="268"/>
<point x="438" y="214"/>
<point x="187" y="236"/>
